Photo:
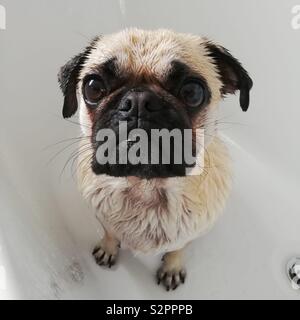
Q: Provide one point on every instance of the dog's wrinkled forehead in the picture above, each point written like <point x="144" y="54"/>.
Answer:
<point x="150" y="54"/>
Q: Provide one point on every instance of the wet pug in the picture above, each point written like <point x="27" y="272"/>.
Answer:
<point x="152" y="79"/>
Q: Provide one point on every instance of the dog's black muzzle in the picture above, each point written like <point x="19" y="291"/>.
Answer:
<point x="140" y="108"/>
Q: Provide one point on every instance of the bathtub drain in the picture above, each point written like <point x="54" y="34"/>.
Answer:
<point x="293" y="271"/>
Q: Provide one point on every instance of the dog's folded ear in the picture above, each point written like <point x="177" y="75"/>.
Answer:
<point x="68" y="79"/>
<point x="233" y="76"/>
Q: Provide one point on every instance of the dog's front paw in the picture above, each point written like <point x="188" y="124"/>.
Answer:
<point x="171" y="279"/>
<point x="106" y="253"/>
<point x="171" y="273"/>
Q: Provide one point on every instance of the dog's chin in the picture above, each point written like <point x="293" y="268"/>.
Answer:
<point x="142" y="171"/>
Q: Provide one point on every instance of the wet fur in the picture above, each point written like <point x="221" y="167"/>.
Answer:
<point x="160" y="215"/>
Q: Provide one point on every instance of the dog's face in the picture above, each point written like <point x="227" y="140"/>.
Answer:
<point x="150" y="80"/>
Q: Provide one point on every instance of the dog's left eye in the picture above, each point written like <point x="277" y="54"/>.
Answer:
<point x="192" y="93"/>
<point x="93" y="90"/>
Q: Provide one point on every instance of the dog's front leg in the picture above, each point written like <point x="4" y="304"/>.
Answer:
<point x="106" y="253"/>
<point x="172" y="272"/>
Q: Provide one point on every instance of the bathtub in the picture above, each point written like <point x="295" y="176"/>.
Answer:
<point x="47" y="231"/>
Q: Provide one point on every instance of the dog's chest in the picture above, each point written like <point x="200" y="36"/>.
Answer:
<point x="148" y="217"/>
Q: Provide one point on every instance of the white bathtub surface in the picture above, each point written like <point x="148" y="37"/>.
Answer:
<point x="47" y="232"/>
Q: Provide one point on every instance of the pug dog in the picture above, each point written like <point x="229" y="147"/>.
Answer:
<point x="153" y="80"/>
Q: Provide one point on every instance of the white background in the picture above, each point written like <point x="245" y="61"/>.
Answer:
<point x="47" y="232"/>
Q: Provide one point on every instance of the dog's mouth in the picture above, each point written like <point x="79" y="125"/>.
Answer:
<point x="143" y="152"/>
<point x="144" y="137"/>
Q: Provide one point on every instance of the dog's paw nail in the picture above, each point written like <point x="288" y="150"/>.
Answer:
<point x="104" y="258"/>
<point x="182" y="275"/>
<point x="170" y="279"/>
<point x="96" y="250"/>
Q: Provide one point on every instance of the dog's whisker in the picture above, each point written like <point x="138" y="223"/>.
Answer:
<point x="66" y="140"/>
<point x="62" y="150"/>
<point x="74" y="154"/>
<point x="89" y="150"/>
<point x="84" y="163"/>
<point x="79" y="124"/>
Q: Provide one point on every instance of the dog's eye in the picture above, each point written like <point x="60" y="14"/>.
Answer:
<point x="93" y="90"/>
<point x="192" y="93"/>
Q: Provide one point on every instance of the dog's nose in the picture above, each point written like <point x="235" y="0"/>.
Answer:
<point x="141" y="100"/>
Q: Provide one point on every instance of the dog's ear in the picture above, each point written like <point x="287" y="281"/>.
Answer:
<point x="68" y="79"/>
<point x="234" y="77"/>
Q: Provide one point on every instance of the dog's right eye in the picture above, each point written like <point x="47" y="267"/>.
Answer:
<point x="93" y="90"/>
